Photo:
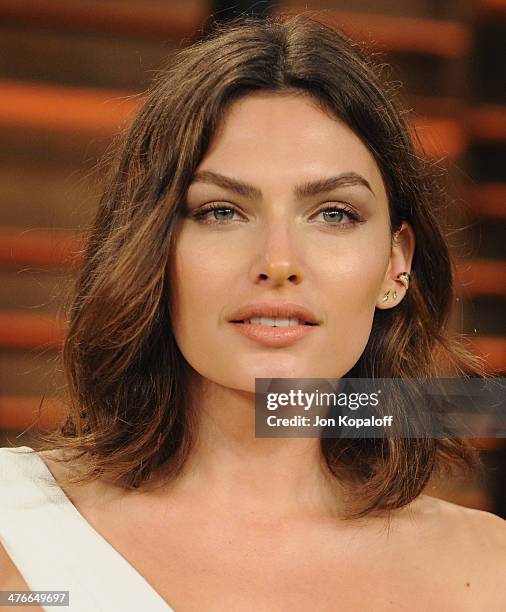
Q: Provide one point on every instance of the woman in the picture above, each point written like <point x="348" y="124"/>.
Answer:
<point x="268" y="174"/>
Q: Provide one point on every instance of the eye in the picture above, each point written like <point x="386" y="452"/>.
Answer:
<point x="333" y="215"/>
<point x="221" y="214"/>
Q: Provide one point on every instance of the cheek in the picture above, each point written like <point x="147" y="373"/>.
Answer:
<point x="350" y="283"/>
<point x="197" y="283"/>
<point x="353" y="273"/>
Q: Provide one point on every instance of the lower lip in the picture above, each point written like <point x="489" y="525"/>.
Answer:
<point x="274" y="336"/>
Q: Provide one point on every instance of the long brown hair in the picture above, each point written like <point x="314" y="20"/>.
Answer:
<point x="130" y="411"/>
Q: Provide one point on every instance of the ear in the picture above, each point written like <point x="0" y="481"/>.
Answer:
<point x="394" y="289"/>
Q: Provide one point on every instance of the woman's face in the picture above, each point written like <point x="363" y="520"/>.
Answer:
<point x="275" y="164"/>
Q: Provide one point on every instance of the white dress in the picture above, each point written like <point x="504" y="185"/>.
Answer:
<point x="55" y="548"/>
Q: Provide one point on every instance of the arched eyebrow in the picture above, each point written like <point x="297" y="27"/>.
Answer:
<point x="304" y="190"/>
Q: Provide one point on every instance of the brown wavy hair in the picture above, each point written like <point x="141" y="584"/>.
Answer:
<point x="129" y="398"/>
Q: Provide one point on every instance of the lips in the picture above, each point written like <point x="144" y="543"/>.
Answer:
<point x="273" y="310"/>
<point x="267" y="321"/>
<point x="274" y="336"/>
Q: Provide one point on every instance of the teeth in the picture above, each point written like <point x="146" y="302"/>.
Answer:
<point x="275" y="322"/>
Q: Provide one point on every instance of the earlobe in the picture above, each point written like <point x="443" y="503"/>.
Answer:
<point x="403" y="246"/>
<point x="386" y="296"/>
<point x="391" y="294"/>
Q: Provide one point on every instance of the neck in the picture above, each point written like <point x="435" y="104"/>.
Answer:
<point x="242" y="474"/>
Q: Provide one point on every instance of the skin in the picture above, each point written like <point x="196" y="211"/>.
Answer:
<point x="252" y="523"/>
<point x="277" y="247"/>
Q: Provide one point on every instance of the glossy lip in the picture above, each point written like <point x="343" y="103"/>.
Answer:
<point x="275" y="337"/>
<point x="270" y="336"/>
<point x="274" y="309"/>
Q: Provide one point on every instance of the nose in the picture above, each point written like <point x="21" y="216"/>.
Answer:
<point x="276" y="261"/>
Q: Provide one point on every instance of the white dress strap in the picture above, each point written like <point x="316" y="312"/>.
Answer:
<point x="55" y="548"/>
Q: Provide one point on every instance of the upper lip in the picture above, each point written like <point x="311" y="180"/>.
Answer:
<point x="274" y="310"/>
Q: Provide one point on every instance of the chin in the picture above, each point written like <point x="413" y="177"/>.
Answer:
<point x="246" y="380"/>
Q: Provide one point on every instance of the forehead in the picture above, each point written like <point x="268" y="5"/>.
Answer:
<point x="265" y="137"/>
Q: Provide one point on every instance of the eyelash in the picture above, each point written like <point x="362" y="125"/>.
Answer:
<point x="200" y="214"/>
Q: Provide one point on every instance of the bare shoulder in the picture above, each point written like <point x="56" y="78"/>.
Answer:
<point x="468" y="545"/>
<point x="10" y="577"/>
<point x="476" y="526"/>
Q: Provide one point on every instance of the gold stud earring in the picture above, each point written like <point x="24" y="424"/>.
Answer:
<point x="404" y="278"/>
<point x="385" y="296"/>
<point x="394" y="295"/>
